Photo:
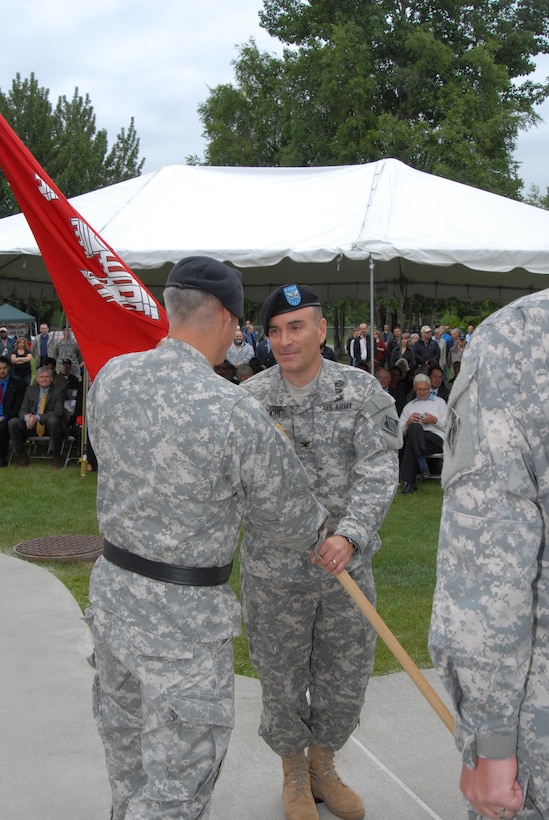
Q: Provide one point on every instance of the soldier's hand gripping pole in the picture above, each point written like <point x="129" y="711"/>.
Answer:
<point x="396" y="648"/>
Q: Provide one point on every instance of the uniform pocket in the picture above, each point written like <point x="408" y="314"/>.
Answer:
<point x="195" y="678"/>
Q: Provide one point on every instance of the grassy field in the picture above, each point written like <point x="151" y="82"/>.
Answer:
<point x="40" y="502"/>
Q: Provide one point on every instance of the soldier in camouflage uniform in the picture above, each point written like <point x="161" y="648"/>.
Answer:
<point x="306" y="636"/>
<point x="489" y="634"/>
<point x="183" y="457"/>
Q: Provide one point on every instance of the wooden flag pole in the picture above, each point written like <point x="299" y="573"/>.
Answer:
<point x="396" y="648"/>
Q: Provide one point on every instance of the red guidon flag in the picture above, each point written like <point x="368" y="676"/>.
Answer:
<point x="108" y="308"/>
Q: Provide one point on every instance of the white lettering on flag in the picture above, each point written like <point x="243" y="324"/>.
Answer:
<point x="45" y="190"/>
<point x="117" y="284"/>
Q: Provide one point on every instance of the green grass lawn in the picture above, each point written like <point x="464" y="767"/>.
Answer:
<point x="40" y="501"/>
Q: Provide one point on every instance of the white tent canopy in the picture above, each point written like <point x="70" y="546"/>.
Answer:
<point x="323" y="226"/>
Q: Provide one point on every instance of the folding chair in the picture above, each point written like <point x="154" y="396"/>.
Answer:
<point x="438" y="459"/>
<point x="36" y="447"/>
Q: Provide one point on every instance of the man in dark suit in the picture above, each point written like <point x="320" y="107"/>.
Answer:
<point x="11" y="396"/>
<point x="265" y="353"/>
<point x="438" y="388"/>
<point x="41" y="413"/>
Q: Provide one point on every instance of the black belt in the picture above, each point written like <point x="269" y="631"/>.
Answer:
<point x="170" y="573"/>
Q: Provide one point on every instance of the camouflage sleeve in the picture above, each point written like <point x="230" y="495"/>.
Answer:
<point x="279" y="502"/>
<point x="490" y="535"/>
<point x="377" y="439"/>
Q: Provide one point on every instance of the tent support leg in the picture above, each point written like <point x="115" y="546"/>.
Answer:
<point x="372" y="316"/>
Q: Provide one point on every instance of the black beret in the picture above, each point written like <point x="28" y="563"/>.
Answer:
<point x="215" y="277"/>
<point x="286" y="299"/>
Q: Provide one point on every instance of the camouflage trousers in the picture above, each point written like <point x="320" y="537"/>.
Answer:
<point x="164" y="711"/>
<point x="314" y="652"/>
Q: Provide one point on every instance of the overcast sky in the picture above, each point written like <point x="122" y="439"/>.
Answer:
<point x="155" y="61"/>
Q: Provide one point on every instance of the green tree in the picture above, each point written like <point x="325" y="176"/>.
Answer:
<point x="66" y="141"/>
<point x="123" y="161"/>
<point x="441" y="86"/>
<point x="79" y="150"/>
<point x="536" y="198"/>
<point x="243" y="122"/>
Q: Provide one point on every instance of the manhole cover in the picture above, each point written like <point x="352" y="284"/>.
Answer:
<point x="63" y="548"/>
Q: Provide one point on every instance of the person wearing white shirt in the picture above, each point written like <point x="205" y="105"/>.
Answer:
<point x="422" y="422"/>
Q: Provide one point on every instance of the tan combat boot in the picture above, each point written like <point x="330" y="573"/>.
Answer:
<point x="326" y="786"/>
<point x="297" y="797"/>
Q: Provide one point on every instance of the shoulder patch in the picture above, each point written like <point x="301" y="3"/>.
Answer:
<point x="391" y="424"/>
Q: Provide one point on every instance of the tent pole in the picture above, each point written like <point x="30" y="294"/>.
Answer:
<point x="372" y="349"/>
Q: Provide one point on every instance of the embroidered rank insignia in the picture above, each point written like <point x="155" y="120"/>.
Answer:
<point x="390" y="424"/>
<point x="292" y="295"/>
<point x="338" y="386"/>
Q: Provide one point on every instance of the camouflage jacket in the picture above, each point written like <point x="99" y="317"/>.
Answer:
<point x="183" y="456"/>
<point x="346" y="434"/>
<point x="490" y="623"/>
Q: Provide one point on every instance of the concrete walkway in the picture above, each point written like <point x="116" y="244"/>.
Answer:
<point x="401" y="758"/>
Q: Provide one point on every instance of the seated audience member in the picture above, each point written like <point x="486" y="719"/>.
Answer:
<point x="436" y="377"/>
<point x="41" y="413"/>
<point x="403" y="366"/>
<point x="240" y="352"/>
<point x="397" y="387"/>
<point x="407" y="376"/>
<point x="244" y="372"/>
<point x="73" y="382"/>
<point x="256" y="364"/>
<point x="384" y="378"/>
<point x="227" y="371"/>
<point x="21" y="361"/>
<point x="11" y="398"/>
<point x="422" y="422"/>
<point x="58" y="378"/>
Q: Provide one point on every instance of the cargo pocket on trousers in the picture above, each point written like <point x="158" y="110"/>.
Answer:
<point x="196" y="679"/>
